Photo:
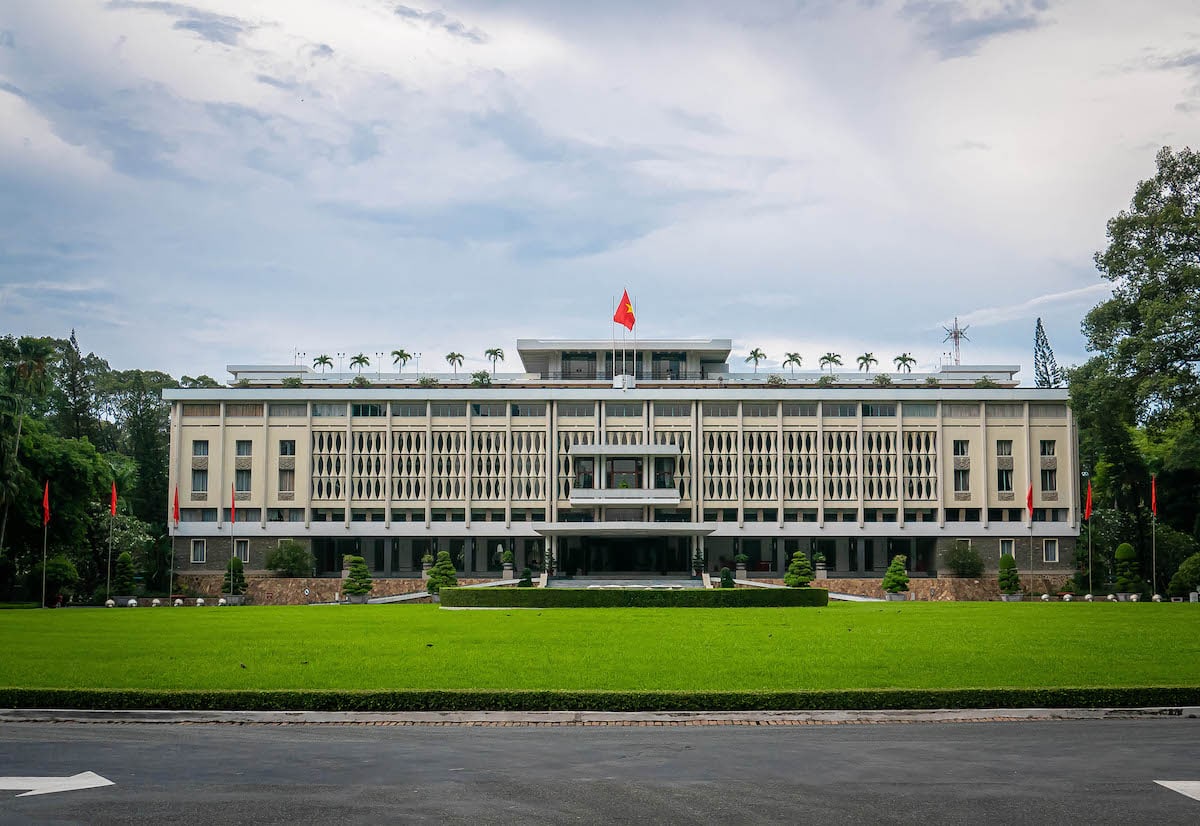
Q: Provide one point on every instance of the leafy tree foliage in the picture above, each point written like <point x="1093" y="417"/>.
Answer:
<point x="442" y="574"/>
<point x="1046" y="372"/>
<point x="122" y="575"/>
<point x="234" y="581"/>
<point x="895" y="579"/>
<point x="61" y="579"/>
<point x="799" y="573"/>
<point x="964" y="560"/>
<point x="290" y="558"/>
<point x="1009" y="579"/>
<point x="1187" y="578"/>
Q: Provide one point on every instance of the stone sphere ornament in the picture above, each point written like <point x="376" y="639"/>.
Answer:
<point x="132" y="603"/>
<point x="109" y="604"/>
<point x="1045" y="597"/>
<point x="1088" y="597"/>
<point x="1134" y="597"/>
<point x="200" y="601"/>
<point x="1112" y="597"/>
<point x="221" y="602"/>
<point x="1156" y="598"/>
<point x="178" y="603"/>
<point x="154" y="603"/>
<point x="1067" y="597"/>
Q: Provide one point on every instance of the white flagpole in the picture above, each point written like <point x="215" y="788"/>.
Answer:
<point x="45" y="528"/>
<point x="1154" y="552"/>
<point x="1089" y="521"/>
<point x="108" y="583"/>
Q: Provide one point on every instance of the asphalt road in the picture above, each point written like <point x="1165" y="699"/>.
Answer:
<point x="1077" y="771"/>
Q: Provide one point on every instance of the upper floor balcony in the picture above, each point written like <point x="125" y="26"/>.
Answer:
<point x="624" y="475"/>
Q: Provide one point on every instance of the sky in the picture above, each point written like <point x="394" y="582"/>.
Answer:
<point x="194" y="184"/>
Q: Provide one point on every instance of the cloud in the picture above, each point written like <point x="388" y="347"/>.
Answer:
<point x="1189" y="62"/>
<point x="438" y="20"/>
<point x="1012" y="312"/>
<point x="953" y="28"/>
<point x="215" y="28"/>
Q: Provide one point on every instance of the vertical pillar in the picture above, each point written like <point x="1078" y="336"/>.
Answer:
<point x="858" y="463"/>
<point x="938" y="471"/>
<point x="820" y="465"/>
<point x="507" y="465"/>
<point x="306" y="477"/>
<point x="900" y="477"/>
<point x="348" y="458"/>
<point x="218" y="488"/>
<point x="265" y="485"/>
<point x="741" y="462"/>
<point x="429" y="464"/>
<point x="389" y="468"/>
<point x="984" y="482"/>
<point x="470" y="469"/>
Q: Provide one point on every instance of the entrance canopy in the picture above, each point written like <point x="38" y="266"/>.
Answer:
<point x="624" y="529"/>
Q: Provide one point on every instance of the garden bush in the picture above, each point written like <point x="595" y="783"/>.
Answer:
<point x="895" y="579"/>
<point x="634" y="598"/>
<point x="1009" y="579"/>
<point x="290" y="559"/>
<point x="1187" y="578"/>
<point x="358" y="580"/>
<point x="799" y="573"/>
<point x="442" y="574"/>
<point x="1128" y="580"/>
<point x="526" y="580"/>
<point x="122" y="576"/>
<point x="234" y="582"/>
<point x="727" y="578"/>
<point x="61" y="578"/>
<point x="964" y="560"/>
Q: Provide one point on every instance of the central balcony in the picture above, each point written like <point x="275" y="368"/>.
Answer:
<point x="629" y="475"/>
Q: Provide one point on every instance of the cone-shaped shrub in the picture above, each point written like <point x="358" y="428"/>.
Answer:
<point x="122" y="581"/>
<point x="726" y="578"/>
<point x="235" y="578"/>
<point x="799" y="573"/>
<point x="895" y="579"/>
<point x="442" y="574"/>
<point x="1009" y="579"/>
<point x="358" y="580"/>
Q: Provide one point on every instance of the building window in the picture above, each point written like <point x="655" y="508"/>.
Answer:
<point x="920" y="410"/>
<point x="758" y="410"/>
<point x="242" y="548"/>
<point x="844" y="410"/>
<point x="1049" y="480"/>
<point x="1004" y="447"/>
<point x="532" y="410"/>
<point x="241" y="481"/>
<point x="287" y="481"/>
<point x="495" y="411"/>
<point x="1048" y="411"/>
<point x="199" y="481"/>
<point x="198" y="551"/>
<point x="1006" y="547"/>
<point x="961" y="411"/>
<point x="879" y="410"/>
<point x="323" y="409"/>
<point x="366" y="410"/>
<point x="804" y="409"/>
<point x="449" y="410"/>
<point x="232" y="409"/>
<point x="1005" y="410"/>
<point x="1047" y="447"/>
<point x="962" y="481"/>
<point x="675" y="410"/>
<point x="1049" y="550"/>
<point x="1004" y="480"/>
<point x="408" y="410"/>
<point x="201" y="410"/>
<point x="243" y="447"/>
<point x="287" y="447"/>
<point x="576" y="409"/>
<point x="720" y="410"/>
<point x="294" y="411"/>
<point x="962" y="447"/>
<point x="628" y="410"/>
<point x="199" y="447"/>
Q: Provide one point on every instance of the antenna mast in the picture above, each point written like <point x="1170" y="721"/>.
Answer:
<point x="957" y="335"/>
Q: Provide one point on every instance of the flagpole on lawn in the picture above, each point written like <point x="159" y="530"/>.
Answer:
<point x="232" y="542"/>
<point x="45" y="528"/>
<point x="108" y="582"/>
<point x="1154" y="553"/>
<point x="1089" y="553"/>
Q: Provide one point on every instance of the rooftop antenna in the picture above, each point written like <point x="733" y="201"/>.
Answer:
<point x="957" y="335"/>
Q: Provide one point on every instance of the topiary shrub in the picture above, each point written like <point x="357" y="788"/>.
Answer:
<point x="507" y="557"/>
<point x="526" y="580"/>
<point x="964" y="560"/>
<point x="290" y="558"/>
<point x="442" y="574"/>
<point x="799" y="573"/>
<point x="741" y="559"/>
<point x="1009" y="579"/>
<point x="1186" y="579"/>
<point x="234" y="581"/>
<point x="1128" y="581"/>
<point x="122" y="580"/>
<point x="61" y="579"/>
<point x="895" y="579"/>
<point x="727" y="578"/>
<point x="358" y="580"/>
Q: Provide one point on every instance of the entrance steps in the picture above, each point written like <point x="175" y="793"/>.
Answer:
<point x="642" y="583"/>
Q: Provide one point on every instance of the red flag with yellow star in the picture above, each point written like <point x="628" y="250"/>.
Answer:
<point x="624" y="313"/>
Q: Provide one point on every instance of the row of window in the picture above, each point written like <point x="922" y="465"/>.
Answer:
<point x="1004" y="480"/>
<point x="244" y="447"/>
<point x="1046" y="447"/>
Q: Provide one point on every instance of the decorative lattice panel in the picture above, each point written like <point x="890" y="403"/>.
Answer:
<point x="920" y="465"/>
<point x="720" y="465"/>
<point x="329" y="464"/>
<point x="622" y="437"/>
<point x="368" y="464"/>
<point x="879" y="465"/>
<point x="408" y="465"/>
<point x="528" y="465"/>
<point x="683" y="462"/>
<point x="760" y="468"/>
<point x="487" y="465"/>
<point x="841" y="465"/>
<point x="448" y="464"/>
<point x="800" y="467"/>
<point x="566" y="470"/>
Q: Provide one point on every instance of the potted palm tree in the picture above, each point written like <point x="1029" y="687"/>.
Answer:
<point x="895" y="579"/>
<point x="1009" y="579"/>
<point x="506" y="559"/>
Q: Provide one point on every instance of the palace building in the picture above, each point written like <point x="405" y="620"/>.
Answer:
<point x="616" y="463"/>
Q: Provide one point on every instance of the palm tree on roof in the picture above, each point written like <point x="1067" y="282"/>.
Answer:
<point x="323" y="361"/>
<point x="866" y="360"/>
<point x="756" y="355"/>
<point x="494" y="354"/>
<point x="360" y="361"/>
<point x="830" y="360"/>
<point x="401" y="358"/>
<point x="905" y="362"/>
<point x="792" y="360"/>
<point x="455" y="360"/>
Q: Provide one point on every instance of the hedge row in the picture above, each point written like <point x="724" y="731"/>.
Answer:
<point x="632" y="598"/>
<point x="470" y="700"/>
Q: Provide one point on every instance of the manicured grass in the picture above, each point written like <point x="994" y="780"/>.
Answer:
<point x="394" y="647"/>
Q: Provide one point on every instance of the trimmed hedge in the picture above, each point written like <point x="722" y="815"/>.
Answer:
<point x="632" y="598"/>
<point x="471" y="700"/>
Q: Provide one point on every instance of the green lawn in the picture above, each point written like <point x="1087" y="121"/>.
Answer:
<point x="845" y="646"/>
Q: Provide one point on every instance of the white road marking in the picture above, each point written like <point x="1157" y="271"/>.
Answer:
<point x="1189" y="788"/>
<point x="50" y="785"/>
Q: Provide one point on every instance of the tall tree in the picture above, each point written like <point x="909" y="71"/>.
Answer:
<point x="756" y="355"/>
<point x="360" y="361"/>
<point x="455" y="360"/>
<point x="401" y="358"/>
<point x="75" y="397"/>
<point x="791" y="360"/>
<point x="1045" y="368"/>
<point x="323" y="361"/>
<point x="494" y="354"/>
<point x="866" y="361"/>
<point x="830" y="360"/>
<point x="905" y="362"/>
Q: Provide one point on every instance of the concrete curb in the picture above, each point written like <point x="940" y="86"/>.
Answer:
<point x="595" y="718"/>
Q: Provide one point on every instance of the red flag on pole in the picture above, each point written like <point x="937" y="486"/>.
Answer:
<point x="112" y="505"/>
<point x="1029" y="501"/>
<point x="1087" y="506"/>
<point x="46" y="504"/>
<point x="1154" y="495"/>
<point x="624" y="313"/>
<point x="175" y="509"/>
<point x="232" y="505"/>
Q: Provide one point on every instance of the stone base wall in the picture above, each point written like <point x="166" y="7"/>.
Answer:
<point x="939" y="589"/>
<point x="271" y="590"/>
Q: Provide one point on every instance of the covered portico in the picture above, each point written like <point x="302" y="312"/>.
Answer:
<point x="661" y="548"/>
